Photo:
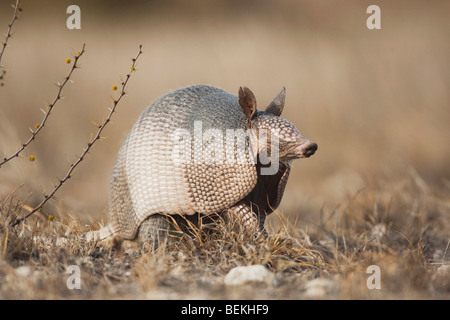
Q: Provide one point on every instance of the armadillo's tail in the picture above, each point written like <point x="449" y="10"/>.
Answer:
<point x="105" y="235"/>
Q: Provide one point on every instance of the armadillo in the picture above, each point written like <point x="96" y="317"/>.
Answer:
<point x="179" y="159"/>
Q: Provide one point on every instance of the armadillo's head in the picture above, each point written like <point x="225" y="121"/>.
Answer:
<point x="291" y="144"/>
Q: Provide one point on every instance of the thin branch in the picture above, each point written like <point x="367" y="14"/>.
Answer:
<point x="47" y="112"/>
<point x="91" y="142"/>
<point x="17" y="10"/>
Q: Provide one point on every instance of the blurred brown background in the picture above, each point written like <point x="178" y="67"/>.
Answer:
<point x="376" y="101"/>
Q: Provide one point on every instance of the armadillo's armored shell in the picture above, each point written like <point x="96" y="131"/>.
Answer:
<point x="146" y="180"/>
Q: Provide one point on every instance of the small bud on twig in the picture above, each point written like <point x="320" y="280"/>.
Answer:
<point x="86" y="150"/>
<point x="48" y="111"/>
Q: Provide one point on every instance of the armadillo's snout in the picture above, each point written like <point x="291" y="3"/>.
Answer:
<point x="308" y="149"/>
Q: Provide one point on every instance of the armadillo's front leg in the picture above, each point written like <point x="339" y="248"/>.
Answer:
<point x="243" y="214"/>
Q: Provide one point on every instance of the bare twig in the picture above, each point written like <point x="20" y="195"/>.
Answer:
<point x="17" y="10"/>
<point x="96" y="137"/>
<point x="47" y="112"/>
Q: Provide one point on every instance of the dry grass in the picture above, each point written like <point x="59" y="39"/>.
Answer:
<point x="399" y="227"/>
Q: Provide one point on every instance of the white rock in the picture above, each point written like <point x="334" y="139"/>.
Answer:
<point x="319" y="288"/>
<point x="444" y="269"/>
<point x="241" y="275"/>
<point x="23" y="271"/>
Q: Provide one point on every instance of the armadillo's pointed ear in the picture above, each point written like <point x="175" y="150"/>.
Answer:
<point x="247" y="101"/>
<point x="277" y="104"/>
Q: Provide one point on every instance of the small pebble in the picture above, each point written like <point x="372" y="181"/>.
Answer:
<point x="23" y="271"/>
<point x="241" y="275"/>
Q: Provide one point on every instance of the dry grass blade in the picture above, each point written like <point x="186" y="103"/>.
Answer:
<point x="224" y="245"/>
